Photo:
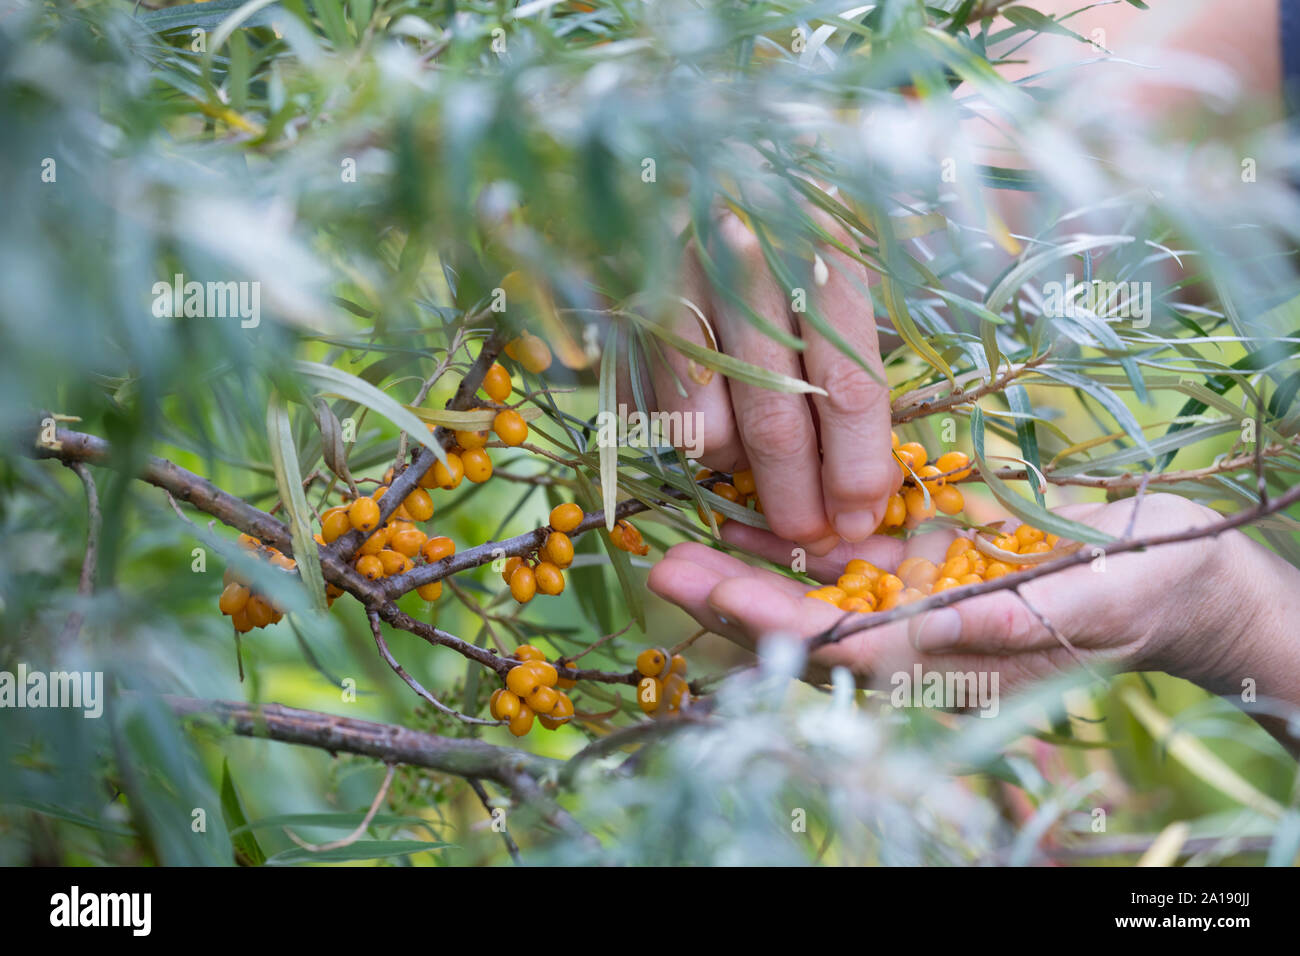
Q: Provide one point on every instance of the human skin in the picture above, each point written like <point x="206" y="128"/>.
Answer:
<point x="1217" y="611"/>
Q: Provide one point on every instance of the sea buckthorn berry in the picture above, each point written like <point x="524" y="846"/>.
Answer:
<point x="248" y="542"/>
<point x="427" y="480"/>
<point x="430" y="592"/>
<point x="979" y="564"/>
<point x="908" y="595"/>
<point x="859" y="604"/>
<point x="718" y="517"/>
<point x="334" y="524"/>
<point x="477" y="465"/>
<point x="649" y="693"/>
<point x="375" y="543"/>
<point x="959" y="546"/>
<point x="890" y="601"/>
<point x="1027" y="534"/>
<point x="363" y="514"/>
<point x="240" y="619"/>
<point x="677" y="664"/>
<point x="1038" y="547"/>
<point x="408" y="543"/>
<point x="418" y="504"/>
<point x="651" y="661"/>
<point x="895" y="512"/>
<point x="548" y="578"/>
<point x="283" y="561"/>
<point x="527" y="652"/>
<point x="523" y="585"/>
<point x="510" y="427"/>
<point x="532" y="353"/>
<point x="259" y="611"/>
<point x="917" y="509"/>
<point x="233" y="599"/>
<point x="391" y="561"/>
<point x="920" y="575"/>
<point x="522" y="681"/>
<point x="448" y="476"/>
<point x="744" y="481"/>
<point x="522" y="722"/>
<point x="333" y="591"/>
<point x="864" y="568"/>
<point x="543" y="699"/>
<point x="929" y="476"/>
<point x="471" y="440"/>
<point x="503" y="704"/>
<point x="566" y="682"/>
<point x="956" y="462"/>
<point x="726" y="490"/>
<point x="821" y="594"/>
<point x="996" y="569"/>
<point x="546" y="673"/>
<point x="971" y="578"/>
<point x="948" y="499"/>
<point x="1051" y="540"/>
<point x="943" y="584"/>
<point x="497" y="384"/>
<point x="893" y="439"/>
<point x="318" y="538"/>
<point x="560" y="714"/>
<point x="675" y="690"/>
<point x="370" y="567"/>
<point x="888" y="584"/>
<point x="626" y="537"/>
<point x="512" y="564"/>
<point x="1007" y="542"/>
<point x="955" y="567"/>
<point x="435" y="549"/>
<point x="566" y="517"/>
<point x="915" y="452"/>
<point x="854" y="584"/>
<point x="558" y="549"/>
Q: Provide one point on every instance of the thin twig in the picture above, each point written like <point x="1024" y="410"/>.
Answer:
<point x="355" y="835"/>
<point x="86" y="584"/>
<point x="511" y="847"/>
<point x="376" y="628"/>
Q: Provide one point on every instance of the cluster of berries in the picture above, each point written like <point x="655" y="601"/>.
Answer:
<point x="663" y="689"/>
<point x="245" y="607"/>
<point x="909" y="507"/>
<point x="544" y="570"/>
<point x="530" y="692"/>
<point x="864" y="588"/>
<point x="739" y="490"/>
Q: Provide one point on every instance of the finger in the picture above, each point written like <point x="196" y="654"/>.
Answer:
<point x="776" y="428"/>
<point x="706" y="399"/>
<point x="881" y="551"/>
<point x="688" y="585"/>
<point x="999" y="624"/>
<point x="728" y="566"/>
<point x="858" y="472"/>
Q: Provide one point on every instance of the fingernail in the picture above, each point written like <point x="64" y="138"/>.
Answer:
<point x="824" y="546"/>
<point x="856" y="525"/>
<point x="937" y="631"/>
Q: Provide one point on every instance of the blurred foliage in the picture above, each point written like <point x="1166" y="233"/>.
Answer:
<point x="379" y="168"/>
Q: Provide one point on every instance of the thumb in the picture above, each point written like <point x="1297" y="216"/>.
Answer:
<point x="998" y="623"/>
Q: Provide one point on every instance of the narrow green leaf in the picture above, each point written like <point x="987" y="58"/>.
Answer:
<point x="284" y="459"/>
<point x="607" y="446"/>
<point x="247" y="850"/>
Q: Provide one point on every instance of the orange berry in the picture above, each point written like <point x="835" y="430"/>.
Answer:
<point x="918" y="573"/>
<point x="510" y="427"/>
<point x="548" y="578"/>
<point x="1038" y="547"/>
<point x="725" y="490"/>
<point x="523" y="585"/>
<point x="677" y="664"/>
<point x="566" y="682"/>
<point x="893" y="439"/>
<point x="240" y="619"/>
<point x="430" y="592"/>
<point x="959" y="545"/>
<point x="865" y="568"/>
<point x="259" y="611"/>
<point x="471" y="440"/>
<point x="915" y="453"/>
<point x="435" y="549"/>
<point x="558" y="549"/>
<point x="854" y="584"/>
<point x="527" y="652"/>
<point x="908" y="595"/>
<point x="895" y="512"/>
<point x="861" y="605"/>
<point x="929" y="476"/>
<point x="651" y="661"/>
<point x="522" y="722"/>
<point x="675" y="691"/>
<point x="334" y="524"/>
<point x="1051" y="540"/>
<point x="532" y="353"/>
<point x="543" y="699"/>
<point x="233" y="599"/>
<point x="888" y="584"/>
<point x="449" y="475"/>
<point x="504" y="704"/>
<point x="370" y="567"/>
<point x="996" y="569"/>
<point x="512" y="564"/>
<point x="409" y="542"/>
<point x="496" y="382"/>
<point x="1007" y="542"/>
<point x="477" y="464"/>
<point x="363" y="514"/>
<point x="821" y="594"/>
<point x="1027" y="534"/>
<point x="744" y="481"/>
<point x="418" y="504"/>
<point x="916" y="506"/>
<point x="943" y="584"/>
<point x="566" y="517"/>
<point x="523" y="680"/>
<point x="971" y="578"/>
<point x="391" y="561"/>
<point x="948" y="499"/>
<point x="375" y="543"/>
<point x="956" y="462"/>
<point x="956" y="566"/>
<point x="560" y="714"/>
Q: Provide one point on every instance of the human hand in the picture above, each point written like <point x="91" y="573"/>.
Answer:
<point x="1176" y="608"/>
<point x="823" y="468"/>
